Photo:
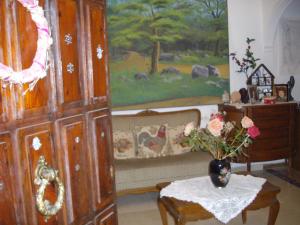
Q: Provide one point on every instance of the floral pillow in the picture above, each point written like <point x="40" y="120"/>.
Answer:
<point x="123" y="143"/>
<point x="175" y="137"/>
<point x="152" y="141"/>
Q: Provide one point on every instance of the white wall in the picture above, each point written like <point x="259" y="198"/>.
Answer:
<point x="244" y="20"/>
<point x="262" y="20"/>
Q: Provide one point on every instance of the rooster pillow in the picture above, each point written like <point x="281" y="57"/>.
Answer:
<point x="151" y="141"/>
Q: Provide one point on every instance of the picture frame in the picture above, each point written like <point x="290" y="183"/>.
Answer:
<point x="263" y="78"/>
<point x="253" y="93"/>
<point x="281" y="92"/>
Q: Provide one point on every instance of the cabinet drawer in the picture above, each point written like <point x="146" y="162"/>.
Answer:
<point x="270" y="144"/>
<point x="272" y="111"/>
<point x="271" y="123"/>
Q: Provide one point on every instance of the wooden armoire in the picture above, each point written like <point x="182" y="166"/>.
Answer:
<point x="66" y="118"/>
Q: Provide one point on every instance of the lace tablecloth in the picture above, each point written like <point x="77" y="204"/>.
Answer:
<point x="225" y="203"/>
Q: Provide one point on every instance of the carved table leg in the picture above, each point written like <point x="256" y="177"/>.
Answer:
<point x="244" y="216"/>
<point x="179" y="221"/>
<point x="162" y="211"/>
<point x="273" y="212"/>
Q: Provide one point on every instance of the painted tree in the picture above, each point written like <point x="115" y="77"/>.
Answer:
<point x="214" y="14"/>
<point x="152" y="21"/>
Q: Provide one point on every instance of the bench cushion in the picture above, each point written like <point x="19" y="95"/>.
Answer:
<point x="145" y="126"/>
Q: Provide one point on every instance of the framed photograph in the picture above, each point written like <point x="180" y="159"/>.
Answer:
<point x="254" y="80"/>
<point x="268" y="81"/>
<point x="262" y="81"/>
<point x="253" y="92"/>
<point x="281" y="92"/>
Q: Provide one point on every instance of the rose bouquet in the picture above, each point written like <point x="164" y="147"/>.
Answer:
<point x="220" y="138"/>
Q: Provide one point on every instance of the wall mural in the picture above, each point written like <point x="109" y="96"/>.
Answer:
<point x="167" y="53"/>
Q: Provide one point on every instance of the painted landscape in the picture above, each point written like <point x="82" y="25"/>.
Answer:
<point x="167" y="53"/>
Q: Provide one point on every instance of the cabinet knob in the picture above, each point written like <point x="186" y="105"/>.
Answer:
<point x="1" y="185"/>
<point x="70" y="68"/>
<point x="36" y="143"/>
<point x="77" y="140"/>
<point x="77" y="167"/>
<point x="102" y="134"/>
<point x="68" y="39"/>
<point x="99" y="52"/>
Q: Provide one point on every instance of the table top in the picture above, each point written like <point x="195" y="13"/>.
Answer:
<point x="189" y="211"/>
<point x="267" y="189"/>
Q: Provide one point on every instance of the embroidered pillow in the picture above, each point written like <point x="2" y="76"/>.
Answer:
<point x="123" y="143"/>
<point x="152" y="141"/>
<point x="175" y="137"/>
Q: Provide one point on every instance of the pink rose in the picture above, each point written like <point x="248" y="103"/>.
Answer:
<point x="215" y="127"/>
<point x="253" y="132"/>
<point x="218" y="115"/>
<point x="247" y="122"/>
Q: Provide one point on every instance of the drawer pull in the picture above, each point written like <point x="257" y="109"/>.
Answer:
<point x="44" y="175"/>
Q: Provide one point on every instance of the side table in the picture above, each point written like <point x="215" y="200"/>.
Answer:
<point x="183" y="211"/>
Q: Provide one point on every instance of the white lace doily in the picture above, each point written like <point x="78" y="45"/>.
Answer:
<point x="225" y="203"/>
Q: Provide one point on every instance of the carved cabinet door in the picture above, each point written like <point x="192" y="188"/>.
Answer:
<point x="61" y="130"/>
<point x="7" y="207"/>
<point x="36" y="141"/>
<point x="76" y="165"/>
<point x="103" y="171"/>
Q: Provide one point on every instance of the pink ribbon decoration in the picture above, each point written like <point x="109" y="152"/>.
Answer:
<point x="38" y="69"/>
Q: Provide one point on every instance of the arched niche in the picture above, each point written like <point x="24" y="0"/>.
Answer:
<point x="282" y="41"/>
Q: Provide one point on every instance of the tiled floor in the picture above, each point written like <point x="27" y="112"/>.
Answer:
<point x="142" y="209"/>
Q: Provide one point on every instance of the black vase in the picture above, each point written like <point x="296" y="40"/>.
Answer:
<point x="219" y="172"/>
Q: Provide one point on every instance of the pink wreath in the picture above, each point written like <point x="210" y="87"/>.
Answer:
<point x="38" y="69"/>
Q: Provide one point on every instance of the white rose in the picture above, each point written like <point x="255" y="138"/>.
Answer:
<point x="188" y="128"/>
<point x="247" y="122"/>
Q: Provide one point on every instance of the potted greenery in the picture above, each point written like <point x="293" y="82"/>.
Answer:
<point x="223" y="140"/>
<point x="247" y="62"/>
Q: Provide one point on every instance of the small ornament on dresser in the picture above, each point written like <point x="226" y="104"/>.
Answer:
<point x="235" y="97"/>
<point x="290" y="84"/>
<point x="225" y="97"/>
<point x="244" y="95"/>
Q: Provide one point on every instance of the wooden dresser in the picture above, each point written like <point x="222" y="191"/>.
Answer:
<point x="277" y="126"/>
<point x="66" y="118"/>
<point x="296" y="157"/>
